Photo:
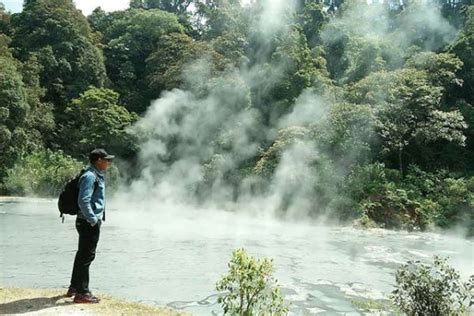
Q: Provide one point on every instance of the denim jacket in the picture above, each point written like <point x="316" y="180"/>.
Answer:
<point x="91" y="199"/>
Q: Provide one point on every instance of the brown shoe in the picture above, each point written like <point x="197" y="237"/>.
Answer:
<point x="71" y="292"/>
<point x="87" y="298"/>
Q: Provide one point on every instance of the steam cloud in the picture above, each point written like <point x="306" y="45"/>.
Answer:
<point x="188" y="139"/>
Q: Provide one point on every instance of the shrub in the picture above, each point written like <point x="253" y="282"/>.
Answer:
<point x="369" y="180"/>
<point x="43" y="172"/>
<point x="250" y="288"/>
<point x="431" y="289"/>
<point x="457" y="200"/>
<point x="384" y="199"/>
<point x="418" y="200"/>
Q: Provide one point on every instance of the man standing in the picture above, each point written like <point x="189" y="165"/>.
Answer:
<point x="91" y="214"/>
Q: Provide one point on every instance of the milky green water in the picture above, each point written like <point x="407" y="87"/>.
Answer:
<point x="175" y="258"/>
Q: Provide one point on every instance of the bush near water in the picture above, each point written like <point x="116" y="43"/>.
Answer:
<point x="249" y="287"/>
<point x="395" y="147"/>
<point x="432" y="289"/>
<point x="436" y="288"/>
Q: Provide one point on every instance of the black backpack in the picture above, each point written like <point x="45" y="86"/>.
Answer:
<point x="67" y="202"/>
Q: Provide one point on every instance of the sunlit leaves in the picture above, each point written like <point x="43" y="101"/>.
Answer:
<point x="129" y="38"/>
<point x="60" y="38"/>
<point x="250" y="288"/>
<point x="41" y="172"/>
<point x="98" y="121"/>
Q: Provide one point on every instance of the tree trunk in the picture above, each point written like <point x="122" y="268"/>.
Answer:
<point x="400" y="160"/>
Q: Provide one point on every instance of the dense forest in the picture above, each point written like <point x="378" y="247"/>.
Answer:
<point x="344" y="109"/>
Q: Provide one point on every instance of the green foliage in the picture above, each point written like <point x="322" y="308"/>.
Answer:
<point x="383" y="200"/>
<point x="299" y="67"/>
<point x="129" y="38"/>
<point x="364" y="58"/>
<point x="360" y="42"/>
<point x="435" y="289"/>
<point x="233" y="46"/>
<point x="98" y="121"/>
<point x="291" y="69"/>
<point x="408" y="110"/>
<point x="174" y="6"/>
<point x="42" y="172"/>
<point x="463" y="47"/>
<point x="350" y="132"/>
<point x="442" y="69"/>
<point x="40" y="116"/>
<point x="250" y="288"/>
<point x="221" y="18"/>
<point x="12" y="92"/>
<point x="313" y="18"/>
<point x="336" y="42"/>
<point x="417" y="200"/>
<point x="24" y="119"/>
<point x="4" y="20"/>
<point x="167" y="65"/>
<point x="452" y="198"/>
<point x="59" y="36"/>
<point x="456" y="198"/>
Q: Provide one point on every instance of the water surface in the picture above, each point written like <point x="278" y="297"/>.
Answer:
<point x="174" y="258"/>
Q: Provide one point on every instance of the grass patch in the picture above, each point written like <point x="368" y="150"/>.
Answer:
<point x="53" y="302"/>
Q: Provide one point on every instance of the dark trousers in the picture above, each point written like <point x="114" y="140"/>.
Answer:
<point x="88" y="239"/>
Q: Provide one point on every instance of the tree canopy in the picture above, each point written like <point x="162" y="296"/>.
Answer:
<point x="61" y="39"/>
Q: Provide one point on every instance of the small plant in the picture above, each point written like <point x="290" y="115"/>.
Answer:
<point x="250" y="288"/>
<point x="431" y="289"/>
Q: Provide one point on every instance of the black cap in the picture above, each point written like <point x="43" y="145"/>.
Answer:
<point x="99" y="153"/>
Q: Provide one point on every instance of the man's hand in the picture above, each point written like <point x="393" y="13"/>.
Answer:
<point x="99" y="222"/>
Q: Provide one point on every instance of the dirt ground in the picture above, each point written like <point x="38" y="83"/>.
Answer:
<point x="53" y="302"/>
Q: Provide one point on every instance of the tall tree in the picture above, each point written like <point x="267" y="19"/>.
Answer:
<point x="4" y="20"/>
<point x="463" y="47"/>
<point x="24" y="119"/>
<point x="312" y="18"/>
<point x="408" y="112"/>
<point x="183" y="9"/>
<point x="166" y="66"/>
<point x="174" y="6"/>
<point x="129" y="38"/>
<point x="214" y="19"/>
<point x="97" y="120"/>
<point x="292" y="68"/>
<point x="61" y="39"/>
